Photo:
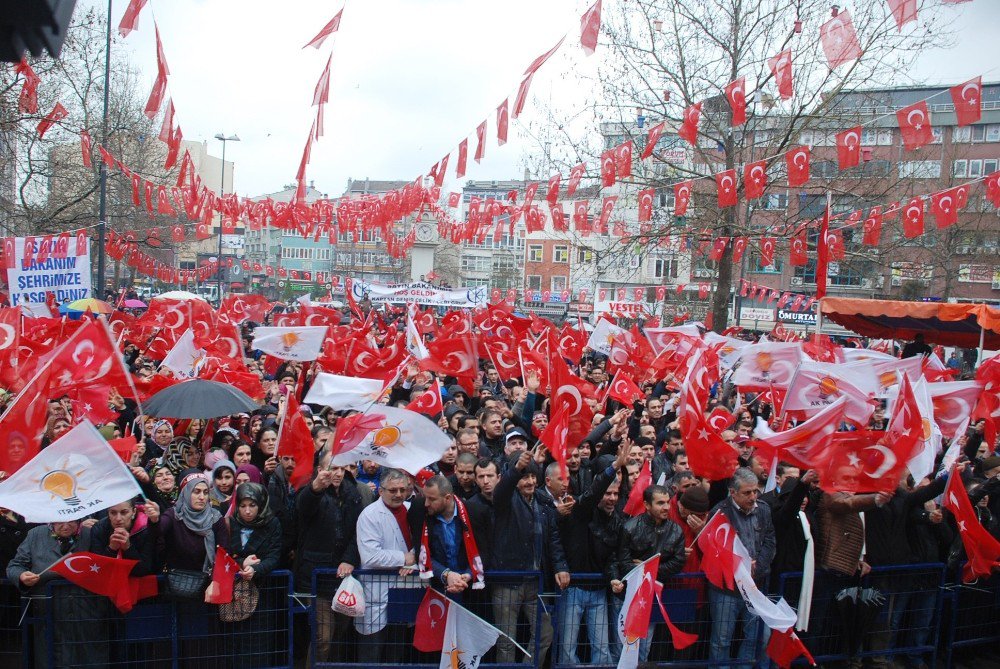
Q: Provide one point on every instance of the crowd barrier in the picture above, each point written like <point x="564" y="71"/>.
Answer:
<point x="905" y="613"/>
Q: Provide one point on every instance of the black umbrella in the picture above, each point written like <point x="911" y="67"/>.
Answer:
<point x="199" y="398"/>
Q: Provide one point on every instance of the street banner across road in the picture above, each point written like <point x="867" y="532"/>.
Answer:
<point x="56" y="264"/>
<point x="420" y="293"/>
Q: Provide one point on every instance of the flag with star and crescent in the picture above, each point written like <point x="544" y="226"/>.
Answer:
<point x="467" y="638"/>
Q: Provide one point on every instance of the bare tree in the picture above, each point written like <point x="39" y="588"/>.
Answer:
<point x="661" y="56"/>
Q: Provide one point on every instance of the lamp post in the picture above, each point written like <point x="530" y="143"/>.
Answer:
<point x="222" y="191"/>
<point x="102" y="213"/>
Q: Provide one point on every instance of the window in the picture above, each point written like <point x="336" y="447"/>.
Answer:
<point x="990" y="166"/>
<point x="473" y="282"/>
<point x="763" y="136"/>
<point x="975" y="168"/>
<point x="960" y="168"/>
<point x="920" y="169"/>
<point x="774" y="201"/>
<point x="938" y="134"/>
<point x="535" y="253"/>
<point x="978" y="133"/>
<point x="476" y="264"/>
<point x="663" y="267"/>
<point x="993" y="133"/>
<point x="963" y="134"/>
<point x="534" y="282"/>
<point x="558" y="284"/>
<point x="584" y="256"/>
<point x="560" y="254"/>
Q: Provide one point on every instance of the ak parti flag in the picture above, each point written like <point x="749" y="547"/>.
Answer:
<point x="981" y="549"/>
<point x="428" y="631"/>
<point x="220" y="590"/>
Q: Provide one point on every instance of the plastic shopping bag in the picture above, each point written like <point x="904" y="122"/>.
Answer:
<point x="350" y="598"/>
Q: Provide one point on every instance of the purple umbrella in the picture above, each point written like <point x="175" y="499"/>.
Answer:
<point x="134" y="304"/>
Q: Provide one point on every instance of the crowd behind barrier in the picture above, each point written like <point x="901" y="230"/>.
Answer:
<point x="925" y="617"/>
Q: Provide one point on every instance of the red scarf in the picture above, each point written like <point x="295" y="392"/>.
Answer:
<point x="471" y="550"/>
<point x="399" y="513"/>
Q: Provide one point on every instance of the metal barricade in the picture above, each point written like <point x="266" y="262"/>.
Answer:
<point x="14" y="648"/>
<point x="513" y="601"/>
<point x="973" y="618"/>
<point x="893" y="612"/>
<point x="74" y="627"/>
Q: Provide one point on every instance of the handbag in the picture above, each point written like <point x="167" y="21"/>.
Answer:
<point x="186" y="584"/>
<point x="243" y="604"/>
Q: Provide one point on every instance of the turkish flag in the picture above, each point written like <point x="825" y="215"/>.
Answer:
<point x="575" y="175"/>
<point x="981" y="549"/>
<point x="840" y="40"/>
<point x="849" y="148"/>
<point x="913" y="218"/>
<point x="558" y="219"/>
<point x="903" y="11"/>
<point x="785" y="647"/>
<point x="502" y="121"/>
<point x="708" y="454"/>
<point x="608" y="167"/>
<point x="944" y="207"/>
<point x="646" y="204"/>
<point x="555" y="436"/>
<point x="105" y="576"/>
<point x="453" y="356"/>
<point x="968" y="100"/>
<point x="718" y="248"/>
<point x="873" y="227"/>
<point x="639" y="607"/>
<point x="736" y="97"/>
<point x="726" y="182"/>
<point x="634" y="506"/>
<point x="624" y="390"/>
<point x="480" y="142"/>
<point x="823" y="255"/>
<point x="739" y="247"/>
<point x="682" y="197"/>
<point x="590" y="27"/>
<point x="953" y="403"/>
<point x="295" y="439"/>
<point x="797" y="164"/>
<point x="623" y="160"/>
<point x="652" y="137"/>
<point x="689" y="128"/>
<point x="331" y="27"/>
<point x="57" y="114"/>
<point x="797" y="250"/>
<point x="552" y="196"/>
<point x="767" y="245"/>
<point x="220" y="590"/>
<point x="781" y="67"/>
<point x="915" y="125"/>
<point x="428" y="631"/>
<point x="754" y="179"/>
<point x="463" y="158"/>
<point x="717" y="541"/>
<point x="428" y="402"/>
<point x="993" y="188"/>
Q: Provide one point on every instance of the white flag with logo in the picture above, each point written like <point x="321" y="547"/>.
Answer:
<point x="414" y="342"/>
<point x="603" y="336"/>
<point x="290" y="343"/>
<point x="79" y="474"/>
<point x="401" y="439"/>
<point x="343" y="392"/>
<point x="467" y="638"/>
<point x="185" y="359"/>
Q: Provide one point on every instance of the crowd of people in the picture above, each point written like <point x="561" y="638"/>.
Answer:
<point x="497" y="502"/>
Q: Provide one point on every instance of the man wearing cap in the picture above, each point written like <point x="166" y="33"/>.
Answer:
<point x="515" y="441"/>
<point x="689" y="509"/>
<point x="525" y="538"/>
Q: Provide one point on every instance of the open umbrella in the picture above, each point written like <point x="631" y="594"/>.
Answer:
<point x="134" y="304"/>
<point x="91" y="304"/>
<point x="179" y="295"/>
<point x="198" y="398"/>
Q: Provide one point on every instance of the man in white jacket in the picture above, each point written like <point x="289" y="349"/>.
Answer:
<point x="384" y="542"/>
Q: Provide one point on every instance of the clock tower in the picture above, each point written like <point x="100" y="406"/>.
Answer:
<point x="422" y="253"/>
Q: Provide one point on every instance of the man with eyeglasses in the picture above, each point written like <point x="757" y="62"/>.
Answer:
<point x="385" y="541"/>
<point x="753" y="525"/>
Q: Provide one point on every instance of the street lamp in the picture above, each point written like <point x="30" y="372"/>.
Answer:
<point x="222" y="191"/>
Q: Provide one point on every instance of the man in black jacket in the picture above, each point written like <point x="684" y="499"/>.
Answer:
<point x="525" y="538"/>
<point x="329" y="507"/>
<point x="590" y="535"/>
<point x="643" y="537"/>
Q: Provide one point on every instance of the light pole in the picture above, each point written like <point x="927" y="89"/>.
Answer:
<point x="222" y="191"/>
<point x="102" y="213"/>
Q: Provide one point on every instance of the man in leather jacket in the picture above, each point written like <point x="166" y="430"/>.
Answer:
<point x="643" y="537"/>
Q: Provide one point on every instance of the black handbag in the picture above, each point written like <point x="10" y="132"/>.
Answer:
<point x="186" y="584"/>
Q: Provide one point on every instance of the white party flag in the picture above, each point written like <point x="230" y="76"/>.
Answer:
<point x="185" y="359"/>
<point x="467" y="637"/>
<point x="343" y="392"/>
<point x="290" y="343"/>
<point x="77" y="475"/>
<point x="401" y="439"/>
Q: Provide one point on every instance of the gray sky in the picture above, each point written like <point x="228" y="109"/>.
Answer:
<point x="409" y="79"/>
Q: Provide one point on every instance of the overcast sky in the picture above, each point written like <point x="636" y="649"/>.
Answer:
<point x="409" y="80"/>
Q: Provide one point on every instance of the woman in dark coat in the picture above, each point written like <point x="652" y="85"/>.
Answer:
<point x="255" y="544"/>
<point x="191" y="529"/>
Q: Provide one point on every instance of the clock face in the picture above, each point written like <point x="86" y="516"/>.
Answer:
<point x="425" y="233"/>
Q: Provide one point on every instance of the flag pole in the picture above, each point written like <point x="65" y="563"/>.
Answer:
<point x="54" y="564"/>
<point x="452" y="602"/>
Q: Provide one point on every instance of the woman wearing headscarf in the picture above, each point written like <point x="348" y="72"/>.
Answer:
<point x="158" y="483"/>
<point x="223" y="484"/>
<point x="255" y="544"/>
<point x="190" y="531"/>
<point x="248" y="474"/>
<point x="158" y="441"/>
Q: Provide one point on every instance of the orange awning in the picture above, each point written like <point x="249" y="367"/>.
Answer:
<point x="939" y="322"/>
